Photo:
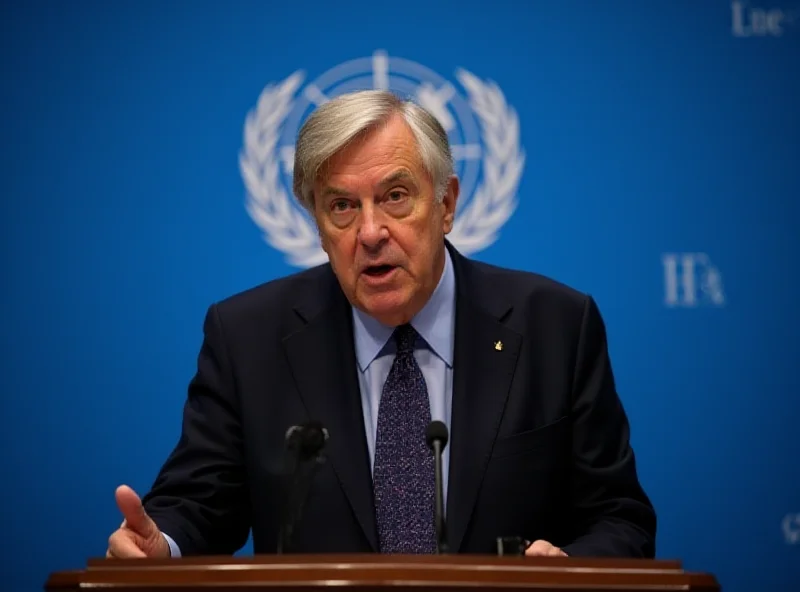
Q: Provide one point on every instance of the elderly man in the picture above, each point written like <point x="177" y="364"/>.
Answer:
<point x="397" y="330"/>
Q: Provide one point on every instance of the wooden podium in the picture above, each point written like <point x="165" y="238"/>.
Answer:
<point x="443" y="573"/>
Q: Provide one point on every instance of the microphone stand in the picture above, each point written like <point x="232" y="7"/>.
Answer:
<point x="436" y="437"/>
<point x="305" y="446"/>
<point x="441" y="528"/>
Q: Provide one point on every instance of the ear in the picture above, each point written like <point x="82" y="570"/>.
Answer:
<point x="449" y="203"/>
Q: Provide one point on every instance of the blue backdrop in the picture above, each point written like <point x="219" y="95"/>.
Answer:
<point x="645" y="152"/>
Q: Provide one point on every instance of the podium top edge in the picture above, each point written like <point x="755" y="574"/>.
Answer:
<point x="365" y="559"/>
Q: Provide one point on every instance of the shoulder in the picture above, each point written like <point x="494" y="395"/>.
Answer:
<point x="526" y="290"/>
<point x="277" y="301"/>
<point x="558" y="315"/>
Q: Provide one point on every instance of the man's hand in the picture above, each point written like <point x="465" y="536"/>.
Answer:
<point x="543" y="549"/>
<point x="138" y="536"/>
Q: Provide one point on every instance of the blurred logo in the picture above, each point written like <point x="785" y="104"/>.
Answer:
<point x="791" y="528"/>
<point x="759" y="21"/>
<point x="483" y="130"/>
<point x="691" y="280"/>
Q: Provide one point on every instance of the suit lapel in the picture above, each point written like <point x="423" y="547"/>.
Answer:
<point x="484" y="361"/>
<point x="323" y="363"/>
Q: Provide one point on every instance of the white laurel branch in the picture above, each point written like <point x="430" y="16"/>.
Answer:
<point x="496" y="198"/>
<point x="268" y="204"/>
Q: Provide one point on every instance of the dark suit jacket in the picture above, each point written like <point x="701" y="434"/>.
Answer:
<point x="539" y="439"/>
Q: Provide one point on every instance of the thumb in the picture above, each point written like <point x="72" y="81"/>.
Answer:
<point x="132" y="510"/>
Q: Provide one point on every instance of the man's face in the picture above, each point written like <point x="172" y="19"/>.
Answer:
<point x="381" y="225"/>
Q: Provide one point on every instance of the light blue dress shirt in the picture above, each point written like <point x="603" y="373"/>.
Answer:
<point x="375" y="351"/>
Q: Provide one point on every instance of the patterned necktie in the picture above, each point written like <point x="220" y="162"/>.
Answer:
<point x="403" y="474"/>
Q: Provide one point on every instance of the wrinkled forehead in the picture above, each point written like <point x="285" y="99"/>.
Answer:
<point x="374" y="161"/>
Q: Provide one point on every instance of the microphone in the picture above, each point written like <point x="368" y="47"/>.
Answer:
<point x="304" y="445"/>
<point x="436" y="437"/>
<point x="306" y="440"/>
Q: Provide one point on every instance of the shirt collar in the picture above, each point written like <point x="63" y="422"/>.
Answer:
<point x="434" y="323"/>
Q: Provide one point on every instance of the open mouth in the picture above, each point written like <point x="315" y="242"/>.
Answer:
<point x="377" y="271"/>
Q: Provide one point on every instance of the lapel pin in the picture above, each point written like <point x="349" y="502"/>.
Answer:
<point x="498" y="345"/>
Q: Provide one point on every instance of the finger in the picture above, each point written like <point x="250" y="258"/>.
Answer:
<point x="539" y="548"/>
<point x="131" y="507"/>
<point x="122" y="545"/>
<point x="556" y="552"/>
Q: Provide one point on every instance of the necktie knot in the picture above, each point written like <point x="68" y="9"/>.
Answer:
<point x="405" y="336"/>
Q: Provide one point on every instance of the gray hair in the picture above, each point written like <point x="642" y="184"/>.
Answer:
<point x="336" y="123"/>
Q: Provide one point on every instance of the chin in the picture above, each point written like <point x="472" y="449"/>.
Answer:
<point x="390" y="309"/>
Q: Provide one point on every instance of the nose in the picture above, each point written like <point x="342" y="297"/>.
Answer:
<point x="372" y="231"/>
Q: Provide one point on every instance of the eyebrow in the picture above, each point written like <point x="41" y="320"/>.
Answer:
<point x="334" y="192"/>
<point x="399" y="175"/>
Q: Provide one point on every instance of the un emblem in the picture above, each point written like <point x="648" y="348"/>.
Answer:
<point x="483" y="131"/>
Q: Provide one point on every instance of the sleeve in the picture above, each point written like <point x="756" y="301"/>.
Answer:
<point x="174" y="551"/>
<point x="612" y="514"/>
<point x="199" y="498"/>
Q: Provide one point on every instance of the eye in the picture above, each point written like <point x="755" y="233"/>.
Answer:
<point x="396" y="195"/>
<point x="340" y="205"/>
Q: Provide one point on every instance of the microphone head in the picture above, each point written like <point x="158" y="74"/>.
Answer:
<point x="436" y="430"/>
<point x="314" y="437"/>
<point x="307" y="438"/>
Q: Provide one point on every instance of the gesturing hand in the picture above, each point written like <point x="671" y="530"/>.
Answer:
<point x="138" y="536"/>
